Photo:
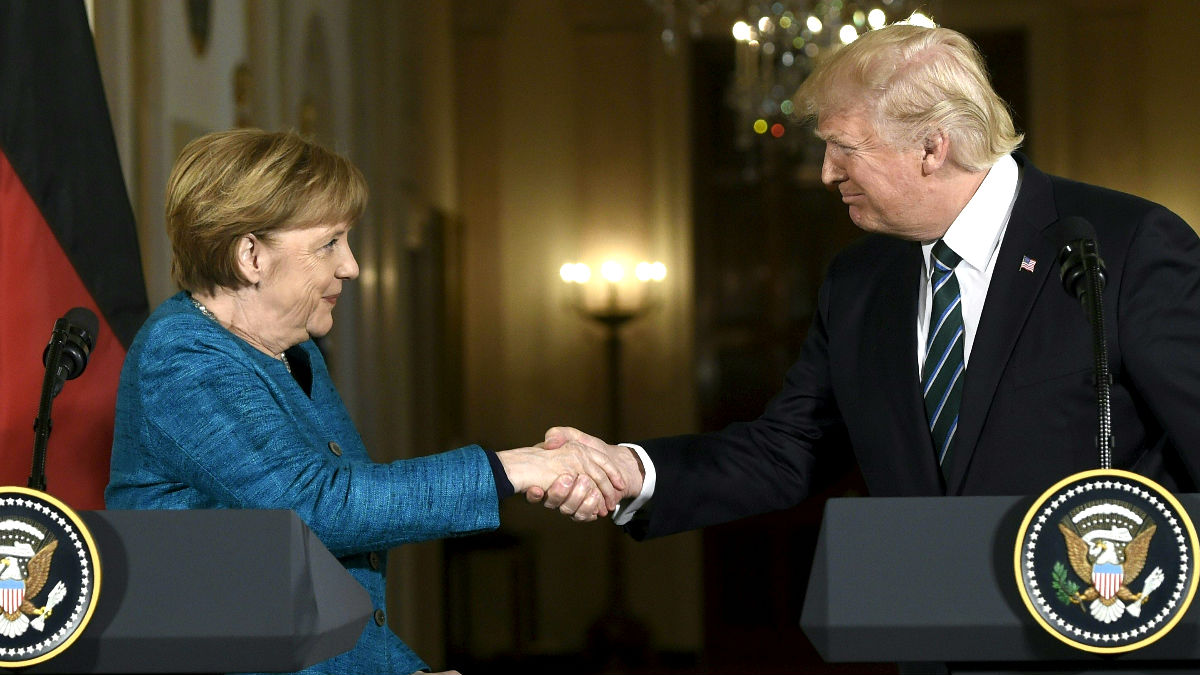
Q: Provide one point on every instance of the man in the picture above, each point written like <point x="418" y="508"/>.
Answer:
<point x="945" y="352"/>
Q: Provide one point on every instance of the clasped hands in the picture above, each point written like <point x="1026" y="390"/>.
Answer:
<point x="575" y="473"/>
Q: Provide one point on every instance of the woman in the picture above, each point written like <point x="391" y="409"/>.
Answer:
<point x="225" y="402"/>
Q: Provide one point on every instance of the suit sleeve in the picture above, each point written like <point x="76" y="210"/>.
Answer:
<point x="215" y="424"/>
<point x="748" y="468"/>
<point x="1159" y="328"/>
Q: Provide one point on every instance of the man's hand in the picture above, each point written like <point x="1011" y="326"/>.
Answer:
<point x="569" y="493"/>
<point x="588" y="480"/>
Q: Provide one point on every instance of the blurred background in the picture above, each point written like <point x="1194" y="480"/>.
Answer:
<point x="505" y="138"/>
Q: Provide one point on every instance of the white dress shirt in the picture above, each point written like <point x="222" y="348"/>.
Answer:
<point x="975" y="235"/>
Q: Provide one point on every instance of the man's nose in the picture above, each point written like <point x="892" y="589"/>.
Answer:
<point x="831" y="173"/>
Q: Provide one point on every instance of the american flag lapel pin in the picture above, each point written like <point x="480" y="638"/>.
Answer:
<point x="1028" y="263"/>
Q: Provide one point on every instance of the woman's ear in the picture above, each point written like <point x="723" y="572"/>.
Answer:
<point x="250" y="258"/>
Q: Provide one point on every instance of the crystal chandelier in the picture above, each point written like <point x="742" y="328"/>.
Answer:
<point x="776" y="46"/>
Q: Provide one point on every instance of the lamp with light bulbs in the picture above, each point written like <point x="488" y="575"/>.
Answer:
<point x="612" y="298"/>
<point x="611" y="302"/>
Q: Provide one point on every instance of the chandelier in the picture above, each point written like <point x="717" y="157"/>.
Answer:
<point x="776" y="46"/>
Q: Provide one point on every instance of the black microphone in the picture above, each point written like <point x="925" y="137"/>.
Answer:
<point x="1082" y="273"/>
<point x="65" y="357"/>
<point x="76" y="331"/>
<point x="1078" y="255"/>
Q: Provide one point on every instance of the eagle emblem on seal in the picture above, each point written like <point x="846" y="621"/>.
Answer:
<point x="1107" y="544"/>
<point x="25" y="554"/>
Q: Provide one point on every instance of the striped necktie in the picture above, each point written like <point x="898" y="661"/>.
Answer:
<point x="942" y="373"/>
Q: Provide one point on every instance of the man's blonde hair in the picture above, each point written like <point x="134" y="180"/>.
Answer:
<point x="248" y="181"/>
<point x="912" y="81"/>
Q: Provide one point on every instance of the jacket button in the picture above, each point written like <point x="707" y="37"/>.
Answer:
<point x="373" y="560"/>
<point x="335" y="448"/>
<point x="379" y="618"/>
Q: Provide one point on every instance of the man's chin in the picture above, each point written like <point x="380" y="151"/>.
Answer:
<point x="862" y="222"/>
<point x="873" y="225"/>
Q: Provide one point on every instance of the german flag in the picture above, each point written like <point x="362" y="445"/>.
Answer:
<point x="67" y="239"/>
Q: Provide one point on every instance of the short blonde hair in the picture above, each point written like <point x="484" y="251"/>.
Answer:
<point x="914" y="80"/>
<point x="247" y="181"/>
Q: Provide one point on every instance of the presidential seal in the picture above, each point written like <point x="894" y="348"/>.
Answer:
<point x="49" y="577"/>
<point x="1106" y="561"/>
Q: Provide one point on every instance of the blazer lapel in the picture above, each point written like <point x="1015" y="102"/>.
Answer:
<point x="1010" y="298"/>
<point x="893" y="361"/>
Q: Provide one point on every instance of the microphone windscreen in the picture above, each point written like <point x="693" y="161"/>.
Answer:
<point x="1078" y="251"/>
<point x="85" y="320"/>
<point x="1071" y="228"/>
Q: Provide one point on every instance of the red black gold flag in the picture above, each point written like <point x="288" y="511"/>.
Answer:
<point x="67" y="239"/>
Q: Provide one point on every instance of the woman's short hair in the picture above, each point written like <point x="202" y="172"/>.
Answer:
<point x="248" y="181"/>
<point x="913" y="80"/>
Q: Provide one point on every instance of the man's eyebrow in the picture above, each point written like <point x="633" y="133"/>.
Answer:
<point x="833" y="137"/>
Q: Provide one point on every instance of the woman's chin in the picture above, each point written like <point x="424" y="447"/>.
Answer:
<point x="319" y="329"/>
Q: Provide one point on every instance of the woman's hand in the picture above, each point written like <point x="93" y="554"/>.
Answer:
<point x="569" y="493"/>
<point x="586" y="477"/>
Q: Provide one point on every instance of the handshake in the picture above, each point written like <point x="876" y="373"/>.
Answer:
<point x="581" y="476"/>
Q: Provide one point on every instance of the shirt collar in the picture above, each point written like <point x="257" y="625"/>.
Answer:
<point x="976" y="232"/>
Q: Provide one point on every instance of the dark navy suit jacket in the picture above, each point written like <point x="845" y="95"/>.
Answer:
<point x="1029" y="413"/>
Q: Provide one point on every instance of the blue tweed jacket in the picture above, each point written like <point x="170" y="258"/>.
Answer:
<point x="206" y="421"/>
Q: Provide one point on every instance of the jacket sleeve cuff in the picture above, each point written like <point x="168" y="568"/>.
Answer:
<point x="504" y="487"/>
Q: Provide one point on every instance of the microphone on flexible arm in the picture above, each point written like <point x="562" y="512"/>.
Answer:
<point x="65" y="357"/>
<point x="76" y="333"/>
<point x="1082" y="273"/>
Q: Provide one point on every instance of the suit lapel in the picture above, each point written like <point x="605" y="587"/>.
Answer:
<point x="1010" y="298"/>
<point x="894" y="361"/>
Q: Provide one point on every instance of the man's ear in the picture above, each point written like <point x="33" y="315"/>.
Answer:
<point x="250" y="258"/>
<point x="936" y="151"/>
